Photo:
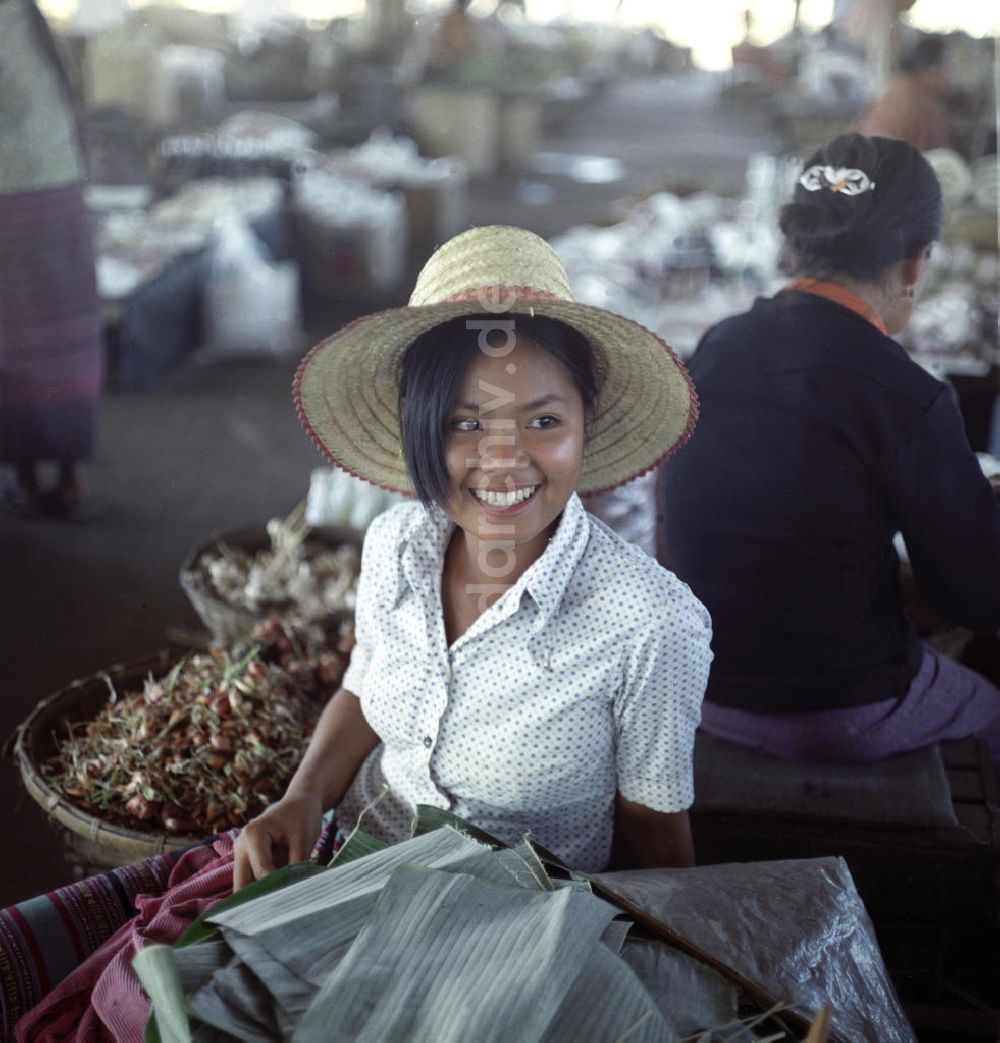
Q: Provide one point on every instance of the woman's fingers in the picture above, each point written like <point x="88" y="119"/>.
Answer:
<point x="253" y="855"/>
<point x="242" y="873"/>
<point x="261" y="861"/>
<point x="289" y="827"/>
<point x="299" y="848"/>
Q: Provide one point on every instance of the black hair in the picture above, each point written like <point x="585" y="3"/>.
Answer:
<point x="432" y="367"/>
<point x="926" y="53"/>
<point x="830" y="232"/>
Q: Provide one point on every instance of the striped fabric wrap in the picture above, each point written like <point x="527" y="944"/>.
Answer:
<point x="45" y="938"/>
<point x="51" y="352"/>
<point x="65" y="957"/>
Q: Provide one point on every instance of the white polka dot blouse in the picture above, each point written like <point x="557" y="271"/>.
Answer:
<point x="584" y="678"/>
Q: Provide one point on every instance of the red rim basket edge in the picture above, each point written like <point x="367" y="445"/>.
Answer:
<point x="89" y="841"/>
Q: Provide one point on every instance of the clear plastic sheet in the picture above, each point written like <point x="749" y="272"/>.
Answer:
<point x="339" y="499"/>
<point x="797" y="928"/>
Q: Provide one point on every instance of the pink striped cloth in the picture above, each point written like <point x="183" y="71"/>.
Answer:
<point x="102" y="999"/>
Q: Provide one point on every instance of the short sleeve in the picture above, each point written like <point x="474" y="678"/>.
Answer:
<point x="659" y="706"/>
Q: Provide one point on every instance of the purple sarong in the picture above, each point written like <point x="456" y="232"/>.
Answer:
<point x="944" y="701"/>
<point x="51" y="352"/>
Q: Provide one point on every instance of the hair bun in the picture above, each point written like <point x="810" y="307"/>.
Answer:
<point x="818" y="234"/>
<point x="861" y="204"/>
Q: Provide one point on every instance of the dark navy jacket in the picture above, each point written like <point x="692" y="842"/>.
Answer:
<point x="819" y="439"/>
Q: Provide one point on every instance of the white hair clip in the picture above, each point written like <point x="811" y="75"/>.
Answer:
<point x="837" y="179"/>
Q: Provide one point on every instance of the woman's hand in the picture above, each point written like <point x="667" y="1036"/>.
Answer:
<point x="339" y="744"/>
<point x="290" y="827"/>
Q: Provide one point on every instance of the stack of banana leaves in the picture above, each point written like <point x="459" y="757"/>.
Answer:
<point x="453" y="936"/>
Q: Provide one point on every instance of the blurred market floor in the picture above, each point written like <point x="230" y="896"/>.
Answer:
<point x="216" y="447"/>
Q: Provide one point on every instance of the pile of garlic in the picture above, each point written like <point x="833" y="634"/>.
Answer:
<point x="298" y="576"/>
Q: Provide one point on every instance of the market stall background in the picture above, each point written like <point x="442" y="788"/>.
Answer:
<point x="256" y="181"/>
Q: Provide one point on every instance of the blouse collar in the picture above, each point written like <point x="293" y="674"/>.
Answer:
<point x="426" y="540"/>
<point x="846" y="298"/>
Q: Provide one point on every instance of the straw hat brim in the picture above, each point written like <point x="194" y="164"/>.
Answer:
<point x="346" y="392"/>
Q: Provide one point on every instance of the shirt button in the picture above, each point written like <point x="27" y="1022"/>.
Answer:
<point x="428" y="741"/>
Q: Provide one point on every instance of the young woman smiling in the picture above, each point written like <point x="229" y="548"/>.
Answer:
<point x="517" y="662"/>
<point x="508" y="666"/>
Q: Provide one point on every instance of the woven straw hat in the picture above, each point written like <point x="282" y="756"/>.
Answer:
<point x="346" y="388"/>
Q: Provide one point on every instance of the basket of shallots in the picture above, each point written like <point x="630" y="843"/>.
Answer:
<point x="145" y="758"/>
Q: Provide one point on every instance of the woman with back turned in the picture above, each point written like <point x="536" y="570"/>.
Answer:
<point x="819" y="440"/>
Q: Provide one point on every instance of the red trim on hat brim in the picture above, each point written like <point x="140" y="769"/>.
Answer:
<point x="304" y="420"/>
<point x="692" y="411"/>
<point x="314" y="437"/>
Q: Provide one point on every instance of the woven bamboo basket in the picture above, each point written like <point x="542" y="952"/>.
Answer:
<point x="232" y="624"/>
<point x="90" y="843"/>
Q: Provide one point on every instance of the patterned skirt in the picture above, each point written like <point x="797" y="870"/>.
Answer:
<point x="51" y="352"/>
